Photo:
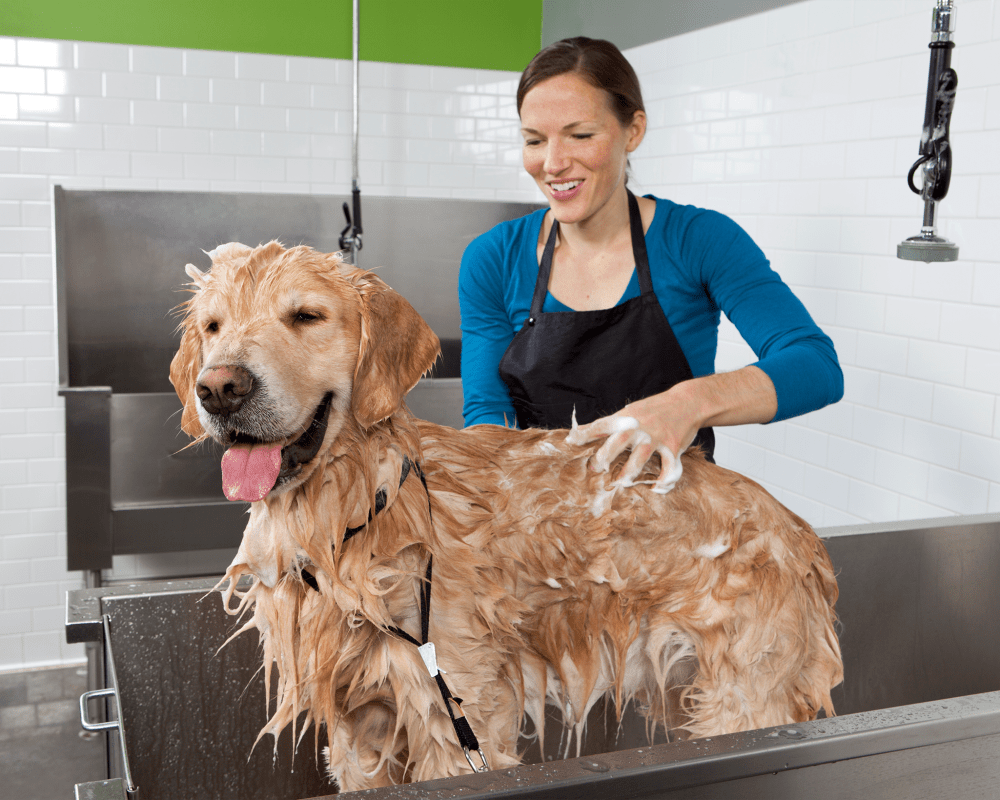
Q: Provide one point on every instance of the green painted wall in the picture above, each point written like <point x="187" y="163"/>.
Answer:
<point x="453" y="33"/>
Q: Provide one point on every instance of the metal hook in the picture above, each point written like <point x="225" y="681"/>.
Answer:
<point x="468" y="757"/>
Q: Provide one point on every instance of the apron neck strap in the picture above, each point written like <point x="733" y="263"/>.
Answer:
<point x="638" y="253"/>
<point x="639" y="245"/>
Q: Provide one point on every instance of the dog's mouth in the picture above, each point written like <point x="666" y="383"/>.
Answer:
<point x="251" y="468"/>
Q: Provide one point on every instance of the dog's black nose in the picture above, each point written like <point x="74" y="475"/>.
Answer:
<point x="222" y="390"/>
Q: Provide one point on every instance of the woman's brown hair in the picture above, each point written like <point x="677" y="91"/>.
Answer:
<point x="597" y="61"/>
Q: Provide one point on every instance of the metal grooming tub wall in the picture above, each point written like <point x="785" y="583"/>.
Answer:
<point x="120" y="256"/>
<point x="919" y="708"/>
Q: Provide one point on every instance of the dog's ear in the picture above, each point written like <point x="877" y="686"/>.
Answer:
<point x="186" y="363"/>
<point x="397" y="347"/>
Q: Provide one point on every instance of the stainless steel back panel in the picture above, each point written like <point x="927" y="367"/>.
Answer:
<point x="136" y="486"/>
<point x="919" y="614"/>
<point x="89" y="543"/>
<point x="120" y="260"/>
<point x="156" y="465"/>
<point x="132" y="486"/>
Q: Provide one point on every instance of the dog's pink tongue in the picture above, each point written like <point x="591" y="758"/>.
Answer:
<point x="250" y="470"/>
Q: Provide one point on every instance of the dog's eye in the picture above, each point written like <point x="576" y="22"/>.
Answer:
<point x="212" y="327"/>
<point x="306" y="316"/>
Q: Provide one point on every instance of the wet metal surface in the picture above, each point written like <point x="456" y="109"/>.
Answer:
<point x="193" y="711"/>
<point x="920" y="706"/>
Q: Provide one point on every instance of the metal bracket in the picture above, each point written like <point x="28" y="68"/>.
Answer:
<point x="111" y="789"/>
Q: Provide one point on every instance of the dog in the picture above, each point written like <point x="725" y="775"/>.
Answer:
<point x="534" y="578"/>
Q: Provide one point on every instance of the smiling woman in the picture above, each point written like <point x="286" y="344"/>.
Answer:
<point x="604" y="308"/>
<point x="578" y="165"/>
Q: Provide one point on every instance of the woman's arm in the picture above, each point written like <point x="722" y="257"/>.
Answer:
<point x="486" y="332"/>
<point x="791" y="349"/>
<point x="797" y="369"/>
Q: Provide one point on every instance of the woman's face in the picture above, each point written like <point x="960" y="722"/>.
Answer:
<point x="574" y="146"/>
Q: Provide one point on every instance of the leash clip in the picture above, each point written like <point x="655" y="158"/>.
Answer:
<point x="468" y="757"/>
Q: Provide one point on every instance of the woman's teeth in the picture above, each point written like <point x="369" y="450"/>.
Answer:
<point x="564" y="187"/>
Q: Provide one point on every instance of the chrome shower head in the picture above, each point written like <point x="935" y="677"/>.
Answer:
<point x="927" y="248"/>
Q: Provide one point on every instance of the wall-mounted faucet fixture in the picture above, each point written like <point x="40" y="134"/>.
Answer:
<point x="935" y="149"/>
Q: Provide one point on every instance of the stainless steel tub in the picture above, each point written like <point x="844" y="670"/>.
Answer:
<point x="919" y="709"/>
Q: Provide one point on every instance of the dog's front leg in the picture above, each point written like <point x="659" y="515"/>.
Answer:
<point x="366" y="751"/>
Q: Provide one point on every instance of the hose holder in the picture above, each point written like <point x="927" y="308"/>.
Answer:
<point x="350" y="236"/>
<point x="935" y="161"/>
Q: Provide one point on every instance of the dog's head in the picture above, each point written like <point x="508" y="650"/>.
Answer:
<point x="283" y="348"/>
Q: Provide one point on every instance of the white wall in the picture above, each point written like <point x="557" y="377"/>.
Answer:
<point x="92" y="116"/>
<point x="801" y="124"/>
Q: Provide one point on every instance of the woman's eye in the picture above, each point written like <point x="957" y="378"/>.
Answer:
<point x="582" y="135"/>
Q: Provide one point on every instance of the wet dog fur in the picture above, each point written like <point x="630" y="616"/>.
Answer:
<point x="710" y="606"/>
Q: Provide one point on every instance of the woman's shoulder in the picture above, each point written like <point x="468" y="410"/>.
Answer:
<point x="510" y="231"/>
<point x="500" y="248"/>
<point x="495" y="255"/>
<point x="700" y="243"/>
<point x="691" y="232"/>
<point x="676" y="218"/>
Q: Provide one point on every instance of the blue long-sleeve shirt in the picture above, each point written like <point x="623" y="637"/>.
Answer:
<point x="702" y="263"/>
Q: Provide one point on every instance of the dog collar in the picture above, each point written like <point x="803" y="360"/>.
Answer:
<point x="381" y="498"/>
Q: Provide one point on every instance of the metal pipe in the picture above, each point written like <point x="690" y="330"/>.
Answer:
<point x="118" y="723"/>
<point x="354" y="129"/>
<point x="350" y="237"/>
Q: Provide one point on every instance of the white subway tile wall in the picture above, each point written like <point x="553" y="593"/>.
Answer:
<point x="104" y="116"/>
<point x="800" y="123"/>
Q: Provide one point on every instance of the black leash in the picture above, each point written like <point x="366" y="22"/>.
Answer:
<point x="466" y="737"/>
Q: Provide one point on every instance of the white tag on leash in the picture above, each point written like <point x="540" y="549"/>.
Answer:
<point x="429" y="655"/>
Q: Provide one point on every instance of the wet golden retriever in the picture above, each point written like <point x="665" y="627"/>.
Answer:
<point x="536" y="578"/>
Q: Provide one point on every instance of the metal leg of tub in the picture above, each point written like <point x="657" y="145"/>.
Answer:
<point x="118" y="722"/>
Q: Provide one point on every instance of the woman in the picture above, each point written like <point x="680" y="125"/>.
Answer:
<point x="608" y="305"/>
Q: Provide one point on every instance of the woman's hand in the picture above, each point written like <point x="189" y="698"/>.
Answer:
<point x="667" y="423"/>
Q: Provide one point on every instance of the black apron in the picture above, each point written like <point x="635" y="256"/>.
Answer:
<point x="594" y="361"/>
